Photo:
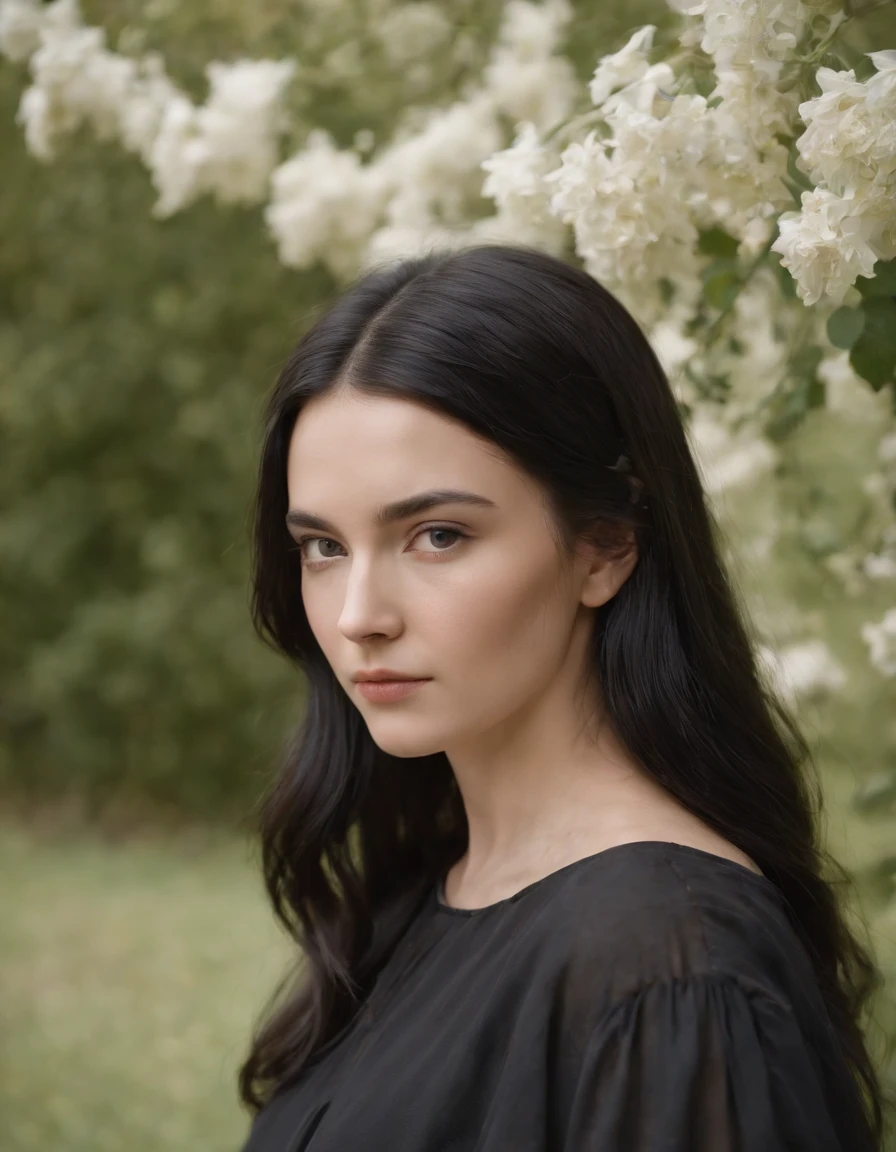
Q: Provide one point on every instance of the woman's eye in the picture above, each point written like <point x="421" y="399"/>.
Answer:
<point x="312" y="540"/>
<point x="442" y="532"/>
<point x="325" y="544"/>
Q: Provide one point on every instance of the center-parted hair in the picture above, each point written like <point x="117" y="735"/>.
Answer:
<point x="538" y="358"/>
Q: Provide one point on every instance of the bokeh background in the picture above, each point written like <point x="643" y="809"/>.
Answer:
<point x="140" y="716"/>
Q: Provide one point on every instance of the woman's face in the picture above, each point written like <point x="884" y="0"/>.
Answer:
<point x="474" y="597"/>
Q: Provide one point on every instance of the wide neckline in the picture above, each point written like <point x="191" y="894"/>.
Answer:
<point x="438" y="889"/>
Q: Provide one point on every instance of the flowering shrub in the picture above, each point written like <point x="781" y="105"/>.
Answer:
<point x="729" y="171"/>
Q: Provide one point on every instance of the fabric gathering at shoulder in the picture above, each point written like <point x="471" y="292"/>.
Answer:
<point x="704" y="1064"/>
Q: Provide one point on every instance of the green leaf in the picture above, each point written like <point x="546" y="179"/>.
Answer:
<point x="845" y="326"/>
<point x="882" y="283"/>
<point x="873" y="355"/>
<point x="880" y="320"/>
<point x="873" y="362"/>
<point x="717" y="242"/>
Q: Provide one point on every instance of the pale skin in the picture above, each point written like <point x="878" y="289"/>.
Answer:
<point x="500" y="621"/>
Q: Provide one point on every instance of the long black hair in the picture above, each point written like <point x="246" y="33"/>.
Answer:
<point x="539" y="358"/>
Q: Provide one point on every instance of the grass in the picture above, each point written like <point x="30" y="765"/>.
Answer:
<point x="130" y="977"/>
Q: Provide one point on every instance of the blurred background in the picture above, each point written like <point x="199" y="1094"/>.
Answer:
<point x="140" y="716"/>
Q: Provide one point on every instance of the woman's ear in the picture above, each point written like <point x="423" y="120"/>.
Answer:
<point x="606" y="571"/>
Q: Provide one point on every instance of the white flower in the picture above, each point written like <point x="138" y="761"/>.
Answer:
<point x="850" y="137"/>
<point x="240" y="124"/>
<point x="20" y="24"/>
<point x="749" y="40"/>
<point x="324" y="205"/>
<point x="879" y="566"/>
<point x="672" y="347"/>
<point x="177" y="157"/>
<point x="622" y="67"/>
<point x="825" y="246"/>
<point x="515" y="173"/>
<point x="75" y="80"/>
<point x="629" y="197"/>
<point x="726" y="460"/>
<point x="881" y="641"/>
<point x="688" y="7"/>
<point x="34" y="114"/>
<point x="396" y="241"/>
<point x="749" y="33"/>
<point x="759" y="111"/>
<point x="846" y="393"/>
<point x="640" y="95"/>
<point x="142" y="113"/>
<point x="764" y="331"/>
<point x="515" y="182"/>
<point x="802" y="669"/>
<point x="541" y="91"/>
<point x="434" y="173"/>
<point x="228" y="146"/>
<point x="408" y="32"/>
<point x="533" y="31"/>
<point x="526" y="77"/>
<point x="849" y="149"/>
<point x="884" y="61"/>
<point x="886" y="449"/>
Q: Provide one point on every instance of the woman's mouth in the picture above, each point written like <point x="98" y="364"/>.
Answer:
<point x="385" y="691"/>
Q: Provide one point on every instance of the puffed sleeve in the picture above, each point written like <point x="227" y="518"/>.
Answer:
<point x="699" y="1064"/>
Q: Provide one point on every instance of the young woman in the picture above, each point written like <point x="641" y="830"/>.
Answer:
<point x="544" y="837"/>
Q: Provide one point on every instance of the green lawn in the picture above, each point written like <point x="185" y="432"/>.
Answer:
<point x="130" y="975"/>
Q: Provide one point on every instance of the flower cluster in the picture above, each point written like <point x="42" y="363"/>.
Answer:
<point x="847" y="222"/>
<point x="425" y="185"/>
<point x="671" y="177"/>
<point x="881" y="640"/>
<point x="802" y="669"/>
<point x="227" y="147"/>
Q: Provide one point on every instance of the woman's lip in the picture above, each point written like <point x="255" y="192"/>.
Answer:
<point x="384" y="691"/>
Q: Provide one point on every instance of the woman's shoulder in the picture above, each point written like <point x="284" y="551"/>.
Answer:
<point x="684" y="982"/>
<point x="650" y="911"/>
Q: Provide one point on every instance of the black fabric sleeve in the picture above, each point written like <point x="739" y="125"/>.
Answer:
<point x="701" y="1064"/>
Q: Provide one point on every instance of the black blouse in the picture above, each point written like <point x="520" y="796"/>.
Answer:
<point x="650" y="998"/>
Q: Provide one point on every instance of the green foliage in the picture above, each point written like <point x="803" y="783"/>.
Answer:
<point x="845" y="326"/>
<point x="135" y="355"/>
<point x="873" y="351"/>
<point x="873" y="355"/>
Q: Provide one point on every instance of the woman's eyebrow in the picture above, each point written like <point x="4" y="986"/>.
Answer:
<point x="399" y="510"/>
